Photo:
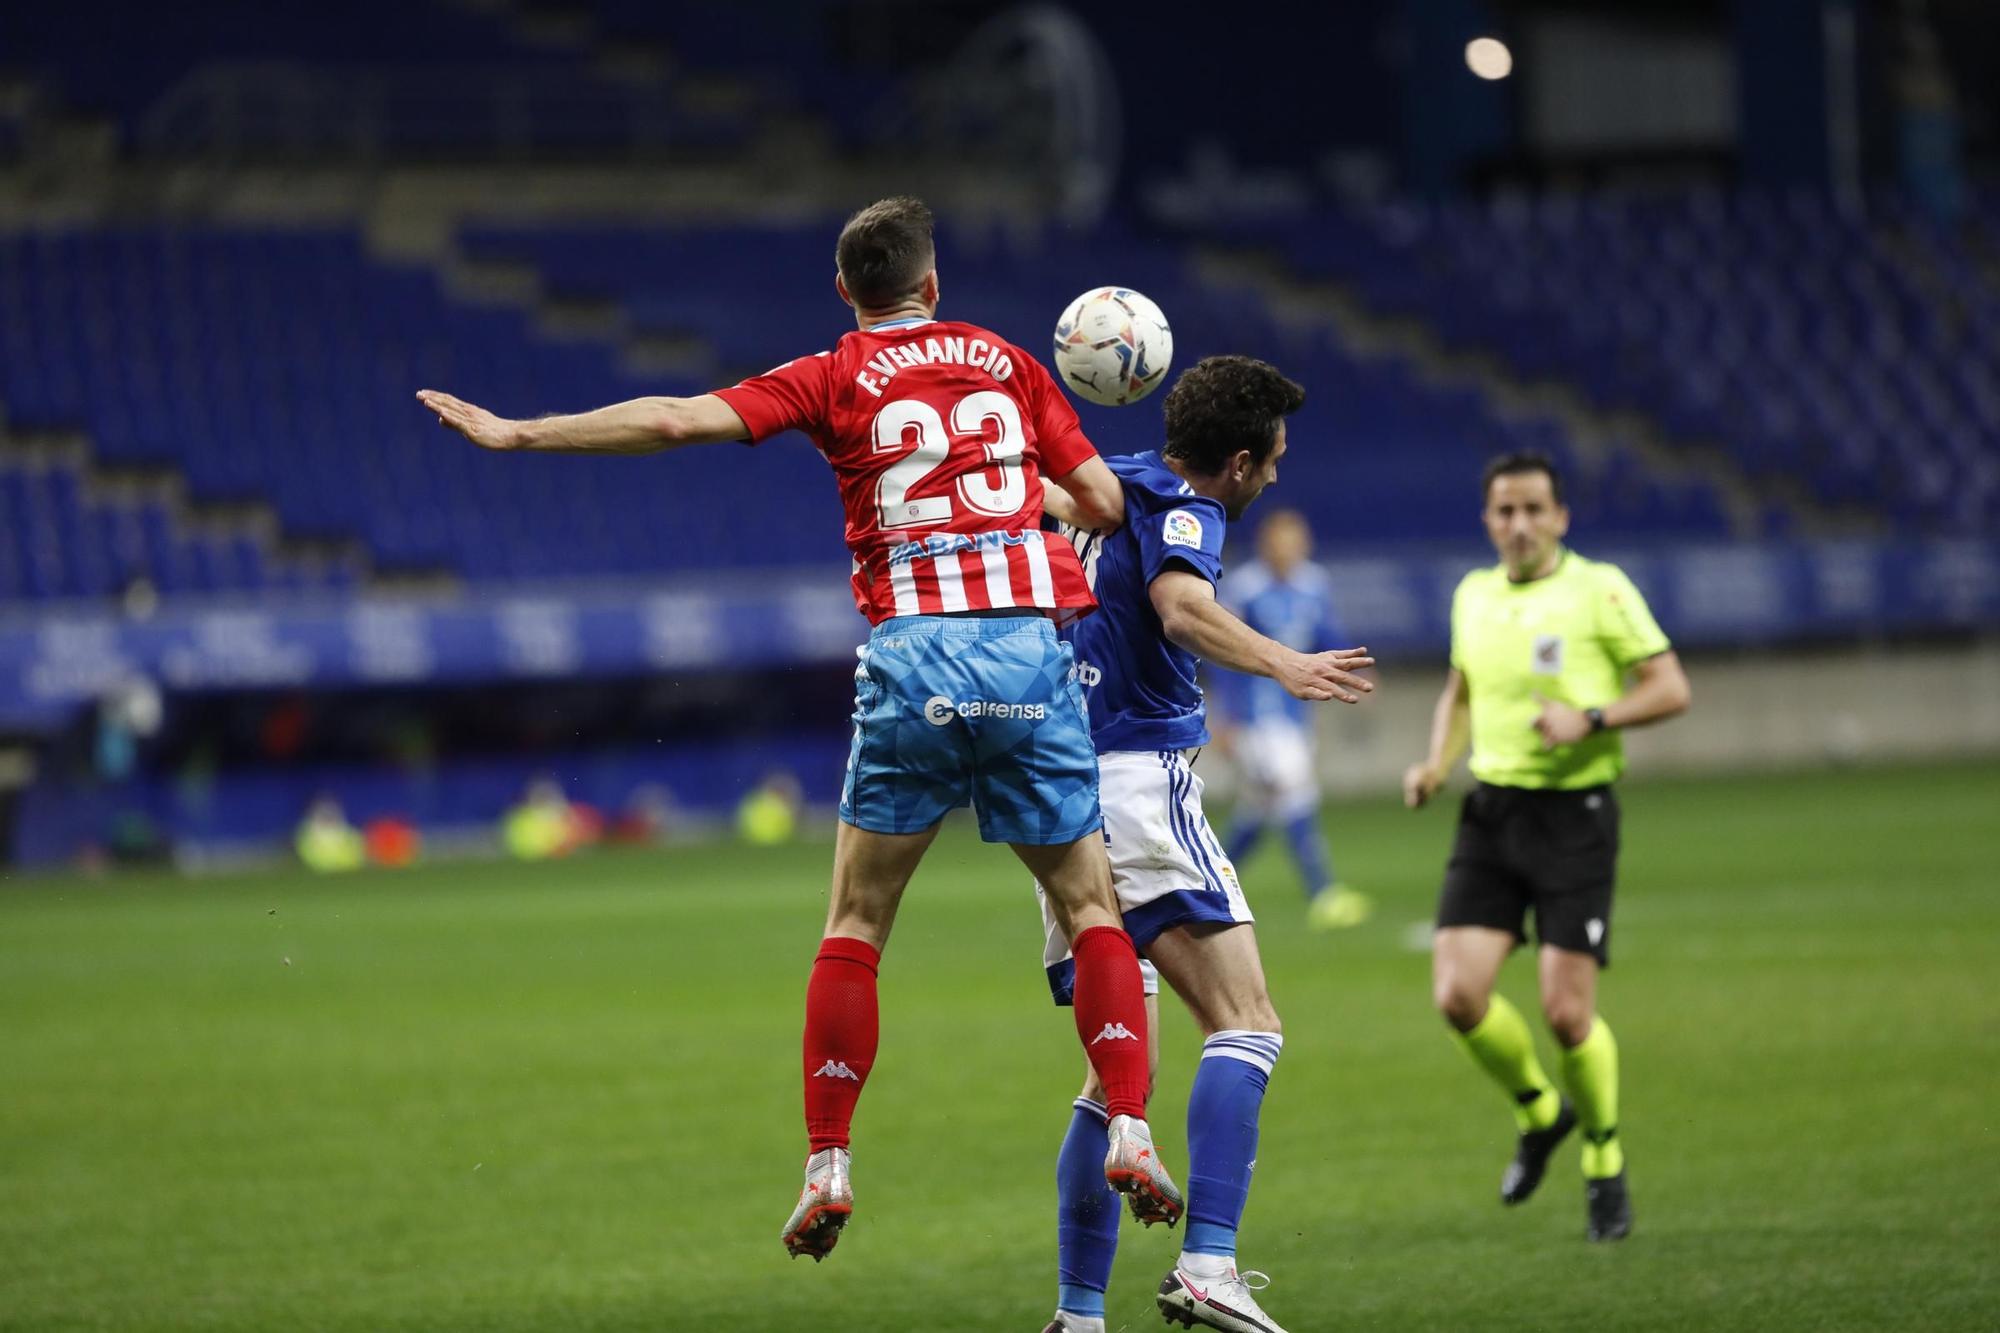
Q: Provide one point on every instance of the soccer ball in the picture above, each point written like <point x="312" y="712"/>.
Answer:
<point x="1113" y="346"/>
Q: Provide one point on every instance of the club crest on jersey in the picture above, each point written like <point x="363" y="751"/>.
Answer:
<point x="1181" y="528"/>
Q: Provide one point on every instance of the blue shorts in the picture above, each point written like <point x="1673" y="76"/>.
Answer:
<point x="953" y="710"/>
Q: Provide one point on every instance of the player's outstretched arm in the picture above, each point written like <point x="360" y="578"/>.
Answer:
<point x="1192" y="618"/>
<point x="1451" y="728"/>
<point x="641" y="426"/>
<point x="1089" y="497"/>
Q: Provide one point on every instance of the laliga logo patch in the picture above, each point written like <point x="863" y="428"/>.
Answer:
<point x="1181" y="529"/>
<point x="939" y="710"/>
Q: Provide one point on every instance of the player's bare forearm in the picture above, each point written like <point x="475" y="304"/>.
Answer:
<point x="1198" y="623"/>
<point x="640" y="426"/>
<point x="1192" y="618"/>
<point x="1061" y="506"/>
<point x="1659" y="691"/>
<point x="1092" y="495"/>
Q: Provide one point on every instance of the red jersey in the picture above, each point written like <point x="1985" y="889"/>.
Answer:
<point x="938" y="433"/>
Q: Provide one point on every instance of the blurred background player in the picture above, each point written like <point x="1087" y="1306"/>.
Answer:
<point x="1267" y="731"/>
<point x="542" y="824"/>
<point x="1155" y="581"/>
<point x="939" y="434"/>
<point x="769" y="815"/>
<point x="326" y="841"/>
<point x="1541" y="646"/>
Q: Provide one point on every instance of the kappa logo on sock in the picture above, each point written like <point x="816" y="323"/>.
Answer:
<point x="836" y="1069"/>
<point x="1114" y="1032"/>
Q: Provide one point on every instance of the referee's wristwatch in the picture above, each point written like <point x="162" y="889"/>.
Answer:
<point x="1596" y="716"/>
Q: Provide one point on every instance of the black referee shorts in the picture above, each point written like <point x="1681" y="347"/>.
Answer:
<point x="1553" y="851"/>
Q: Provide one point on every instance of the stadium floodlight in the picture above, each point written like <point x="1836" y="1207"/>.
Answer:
<point x="1489" y="58"/>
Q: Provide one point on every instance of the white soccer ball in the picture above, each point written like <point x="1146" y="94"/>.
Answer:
<point x="1113" y="346"/>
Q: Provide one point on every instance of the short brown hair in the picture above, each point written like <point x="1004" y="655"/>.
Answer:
<point x="885" y="250"/>
<point x="1226" y="404"/>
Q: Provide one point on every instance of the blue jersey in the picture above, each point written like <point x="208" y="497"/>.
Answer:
<point x="1297" y="611"/>
<point x="1141" y="686"/>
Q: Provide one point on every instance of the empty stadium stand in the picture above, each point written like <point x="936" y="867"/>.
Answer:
<point x="277" y="366"/>
<point x="1852" y="353"/>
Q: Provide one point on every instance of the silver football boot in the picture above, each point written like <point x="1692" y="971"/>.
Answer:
<point x="1224" y="1303"/>
<point x="825" y="1204"/>
<point x="1132" y="1167"/>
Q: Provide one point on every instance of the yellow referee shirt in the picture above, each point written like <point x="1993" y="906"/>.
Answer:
<point x="1571" y="636"/>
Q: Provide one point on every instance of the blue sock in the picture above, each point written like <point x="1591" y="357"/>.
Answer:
<point x="1086" y="1215"/>
<point x="1243" y="837"/>
<point x="1309" y="850"/>
<point x="1222" y="1135"/>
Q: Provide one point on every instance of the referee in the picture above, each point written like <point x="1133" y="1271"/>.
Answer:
<point x="1542" y="645"/>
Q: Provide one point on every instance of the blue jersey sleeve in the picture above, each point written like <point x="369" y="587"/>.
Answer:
<point x="1189" y="533"/>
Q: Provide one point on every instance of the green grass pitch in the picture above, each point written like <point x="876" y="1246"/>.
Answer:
<point x="566" y="1096"/>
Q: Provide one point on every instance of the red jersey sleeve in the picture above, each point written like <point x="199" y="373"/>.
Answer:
<point x="1059" y="435"/>
<point x="792" y="397"/>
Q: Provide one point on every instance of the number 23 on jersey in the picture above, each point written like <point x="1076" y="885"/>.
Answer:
<point x="934" y="442"/>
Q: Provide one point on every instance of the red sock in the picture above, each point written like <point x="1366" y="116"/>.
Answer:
<point x="1111" y="1016"/>
<point x="842" y="1027"/>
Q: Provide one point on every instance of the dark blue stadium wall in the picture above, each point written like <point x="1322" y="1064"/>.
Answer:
<point x="1783" y="65"/>
<point x="1303" y="79"/>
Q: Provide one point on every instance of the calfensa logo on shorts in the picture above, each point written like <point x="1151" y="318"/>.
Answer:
<point x="939" y="710"/>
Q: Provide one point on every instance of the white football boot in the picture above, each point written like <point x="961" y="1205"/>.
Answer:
<point x="825" y="1204"/>
<point x="1132" y="1166"/>
<point x="1224" y="1302"/>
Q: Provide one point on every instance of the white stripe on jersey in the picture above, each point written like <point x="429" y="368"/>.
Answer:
<point x="999" y="582"/>
<point x="1088" y="546"/>
<point x="951" y="582"/>
<point x="1041" y="583"/>
<point x="903" y="584"/>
